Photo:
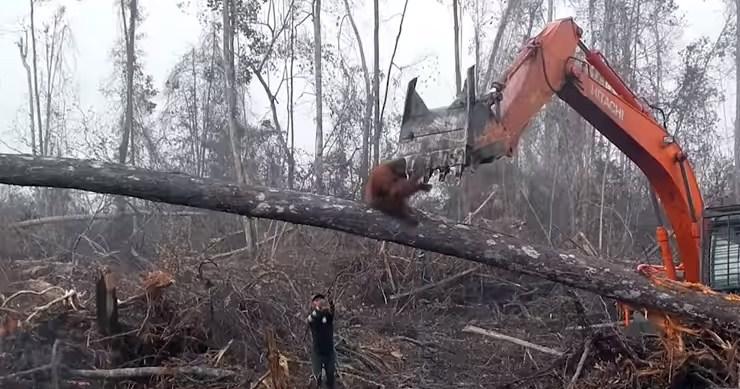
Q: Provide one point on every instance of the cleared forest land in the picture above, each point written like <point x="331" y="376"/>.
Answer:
<point x="217" y="320"/>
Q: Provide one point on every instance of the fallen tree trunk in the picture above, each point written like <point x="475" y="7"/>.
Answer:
<point x="607" y="278"/>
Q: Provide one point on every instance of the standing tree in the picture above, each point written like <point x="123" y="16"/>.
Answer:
<point x="376" y="84"/>
<point x="23" y="48"/>
<point x="511" y="7"/>
<point x="129" y="33"/>
<point x="456" y="29"/>
<point x="290" y="91"/>
<point x="124" y="229"/>
<point x="36" y="78"/>
<point x="366" y="122"/>
<point x="46" y="80"/>
<point x="230" y="88"/>
<point x="260" y="63"/>
<point x="56" y="39"/>
<point x="319" y="146"/>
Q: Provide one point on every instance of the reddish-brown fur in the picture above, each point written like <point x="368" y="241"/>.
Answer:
<point x="388" y="189"/>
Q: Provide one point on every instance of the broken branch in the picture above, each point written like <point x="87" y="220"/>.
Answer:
<point x="581" y="362"/>
<point x="33" y="292"/>
<point x="68" y="296"/>
<point x="140" y="372"/>
<point x="511" y="339"/>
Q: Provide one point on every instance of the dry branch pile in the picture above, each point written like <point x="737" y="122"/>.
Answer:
<point x="212" y="327"/>
<point x="215" y="325"/>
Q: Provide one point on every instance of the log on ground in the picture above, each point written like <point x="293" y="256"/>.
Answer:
<point x="611" y="279"/>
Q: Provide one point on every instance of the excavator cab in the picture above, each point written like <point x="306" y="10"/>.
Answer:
<point x="721" y="248"/>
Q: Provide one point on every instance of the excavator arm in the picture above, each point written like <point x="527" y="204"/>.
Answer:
<point x="481" y="129"/>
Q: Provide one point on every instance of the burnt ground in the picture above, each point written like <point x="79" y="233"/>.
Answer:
<point x="221" y="315"/>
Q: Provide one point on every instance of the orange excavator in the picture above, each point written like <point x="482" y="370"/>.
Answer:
<point x="478" y="129"/>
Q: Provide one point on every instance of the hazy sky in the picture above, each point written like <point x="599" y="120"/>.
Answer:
<point x="171" y="32"/>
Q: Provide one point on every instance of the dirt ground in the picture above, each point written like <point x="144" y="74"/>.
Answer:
<point x="390" y="333"/>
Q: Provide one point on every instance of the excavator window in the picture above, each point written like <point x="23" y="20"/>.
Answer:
<point x="722" y="248"/>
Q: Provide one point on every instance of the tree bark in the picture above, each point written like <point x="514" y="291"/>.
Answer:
<point x="390" y="69"/>
<point x="194" y="114"/>
<point x="230" y="89"/>
<point x="54" y="52"/>
<point x="319" y="147"/>
<point x="291" y="100"/>
<point x="207" y="125"/>
<point x="129" y="33"/>
<point x="477" y="27"/>
<point x="456" y="28"/>
<point x="609" y="278"/>
<point x="36" y="79"/>
<point x="121" y="229"/>
<point x="367" y="119"/>
<point x="505" y="19"/>
<point x="376" y="84"/>
<point x="23" y="48"/>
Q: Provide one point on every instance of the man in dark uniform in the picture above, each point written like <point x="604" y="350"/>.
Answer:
<point x="323" y="355"/>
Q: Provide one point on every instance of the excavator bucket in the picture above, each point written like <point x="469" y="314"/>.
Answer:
<point x="477" y="129"/>
<point x="441" y="139"/>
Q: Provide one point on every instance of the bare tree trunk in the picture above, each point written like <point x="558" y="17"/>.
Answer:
<point x="228" y="53"/>
<point x="462" y="210"/>
<point x="737" y="101"/>
<point x="376" y="84"/>
<point x="390" y="63"/>
<point x="456" y="28"/>
<point x="615" y="278"/>
<point x="555" y="177"/>
<point x="291" y="101"/>
<point x="36" y="80"/>
<point x="129" y="37"/>
<point x="50" y="74"/>
<point x="194" y="123"/>
<point x="54" y="40"/>
<point x="53" y="68"/>
<point x="23" y="48"/>
<point x="602" y="203"/>
<point x="659" y="58"/>
<point x="319" y="147"/>
<point x="121" y="230"/>
<point x="510" y="7"/>
<point x="207" y="109"/>
<point x="367" y="119"/>
<point x="476" y="43"/>
<point x="552" y="134"/>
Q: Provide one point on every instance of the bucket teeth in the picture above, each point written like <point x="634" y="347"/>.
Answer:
<point x="441" y="139"/>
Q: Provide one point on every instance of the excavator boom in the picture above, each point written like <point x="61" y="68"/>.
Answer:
<point x="481" y="129"/>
